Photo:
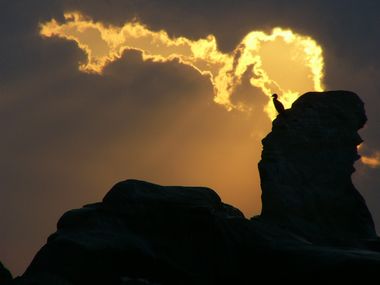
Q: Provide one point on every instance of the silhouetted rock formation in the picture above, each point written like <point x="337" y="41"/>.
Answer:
<point x="306" y="168"/>
<point x="5" y="275"/>
<point x="142" y="233"/>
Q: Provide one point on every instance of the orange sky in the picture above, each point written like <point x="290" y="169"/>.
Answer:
<point x="172" y="93"/>
<point x="282" y="62"/>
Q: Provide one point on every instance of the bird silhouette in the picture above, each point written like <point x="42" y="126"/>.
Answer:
<point x="277" y="104"/>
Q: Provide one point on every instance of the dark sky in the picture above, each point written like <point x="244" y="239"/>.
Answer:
<point x="68" y="136"/>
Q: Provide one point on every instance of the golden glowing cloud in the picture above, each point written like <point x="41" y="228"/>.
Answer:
<point x="372" y="161"/>
<point x="282" y="62"/>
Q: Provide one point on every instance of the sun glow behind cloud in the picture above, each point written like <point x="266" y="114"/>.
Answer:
<point x="282" y="62"/>
<point x="371" y="161"/>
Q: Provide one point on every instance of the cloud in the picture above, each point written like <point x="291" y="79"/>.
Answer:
<point x="281" y="62"/>
<point x="372" y="161"/>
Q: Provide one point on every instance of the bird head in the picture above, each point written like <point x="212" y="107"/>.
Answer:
<point x="274" y="96"/>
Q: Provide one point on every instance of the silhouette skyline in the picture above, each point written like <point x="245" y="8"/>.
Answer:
<point x="146" y="233"/>
<point x="68" y="135"/>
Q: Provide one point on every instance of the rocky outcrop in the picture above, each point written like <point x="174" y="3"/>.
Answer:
<point x="141" y="231"/>
<point x="306" y="167"/>
<point x="315" y="227"/>
<point x="5" y="275"/>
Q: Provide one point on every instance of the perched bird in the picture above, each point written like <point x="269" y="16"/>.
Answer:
<point x="277" y="104"/>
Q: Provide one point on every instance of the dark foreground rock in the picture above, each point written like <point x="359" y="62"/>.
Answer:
<point x="142" y="233"/>
<point x="306" y="168"/>
<point x="5" y="275"/>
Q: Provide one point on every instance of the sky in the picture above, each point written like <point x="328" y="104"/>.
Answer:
<point x="179" y="97"/>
